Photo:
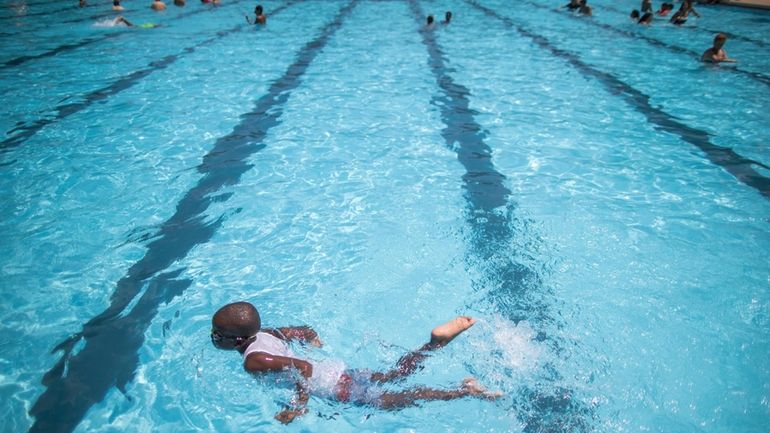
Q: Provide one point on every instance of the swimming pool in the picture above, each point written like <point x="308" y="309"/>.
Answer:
<point x="584" y="187"/>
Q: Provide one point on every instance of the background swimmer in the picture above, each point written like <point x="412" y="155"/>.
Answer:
<point x="717" y="54"/>
<point x="120" y="21"/>
<point x="259" y="16"/>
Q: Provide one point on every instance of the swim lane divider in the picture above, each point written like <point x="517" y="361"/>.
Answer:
<point x="23" y="132"/>
<point x="69" y="47"/>
<point x="515" y="289"/>
<point x="738" y="166"/>
<point x="108" y="344"/>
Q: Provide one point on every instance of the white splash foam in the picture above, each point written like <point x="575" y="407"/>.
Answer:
<point x="513" y="344"/>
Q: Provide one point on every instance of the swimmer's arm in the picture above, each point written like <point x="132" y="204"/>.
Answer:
<point x="248" y="21"/>
<point x="260" y="362"/>
<point x="298" y="406"/>
<point x="303" y="334"/>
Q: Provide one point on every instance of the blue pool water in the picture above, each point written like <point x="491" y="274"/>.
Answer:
<point x="586" y="189"/>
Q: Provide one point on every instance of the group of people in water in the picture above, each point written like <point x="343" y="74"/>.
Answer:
<point x="447" y="19"/>
<point x="715" y="54"/>
<point x="158" y="5"/>
<point x="678" y="18"/>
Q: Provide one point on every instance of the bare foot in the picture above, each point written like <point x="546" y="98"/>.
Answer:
<point x="443" y="334"/>
<point x="472" y="387"/>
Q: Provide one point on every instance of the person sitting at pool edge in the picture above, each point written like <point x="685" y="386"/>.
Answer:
<point x="237" y="326"/>
<point x="158" y="5"/>
<point x="717" y="54"/>
<point x="259" y="16"/>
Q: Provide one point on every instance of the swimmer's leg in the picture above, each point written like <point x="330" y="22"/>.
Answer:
<point x="399" y="400"/>
<point x="439" y="337"/>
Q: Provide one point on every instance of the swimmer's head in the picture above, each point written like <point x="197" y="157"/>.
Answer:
<point x="448" y="16"/>
<point x="720" y="39"/>
<point x="635" y="14"/>
<point x="116" y="2"/>
<point x="258" y="10"/>
<point x="235" y="325"/>
<point x="430" y="19"/>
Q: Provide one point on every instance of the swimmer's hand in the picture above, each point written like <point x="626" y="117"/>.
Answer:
<point x="288" y="415"/>
<point x="316" y="342"/>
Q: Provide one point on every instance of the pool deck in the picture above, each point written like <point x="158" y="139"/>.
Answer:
<point x="760" y="4"/>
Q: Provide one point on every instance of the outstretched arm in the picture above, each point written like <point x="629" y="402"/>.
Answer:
<point x="303" y="334"/>
<point x="298" y="406"/>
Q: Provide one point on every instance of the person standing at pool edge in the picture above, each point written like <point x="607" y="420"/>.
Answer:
<point x="237" y="326"/>
<point x="717" y="54"/>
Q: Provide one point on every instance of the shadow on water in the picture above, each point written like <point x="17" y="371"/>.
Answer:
<point x="515" y="289"/>
<point x="105" y="353"/>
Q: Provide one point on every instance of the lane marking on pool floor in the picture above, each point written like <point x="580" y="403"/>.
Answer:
<point x="510" y="284"/>
<point x="88" y="41"/>
<point x="20" y="134"/>
<point x="756" y="76"/>
<point x="31" y="3"/>
<point x="105" y="353"/>
<point x="53" y="12"/>
<point x="738" y="166"/>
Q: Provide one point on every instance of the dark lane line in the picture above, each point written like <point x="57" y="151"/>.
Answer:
<point x="12" y="5"/>
<point x="109" y="343"/>
<point x="71" y="46"/>
<point x="60" y="49"/>
<point x="756" y="76"/>
<point x="516" y="290"/>
<point x="700" y="29"/>
<point x="24" y="132"/>
<point x="44" y="13"/>
<point x="735" y="164"/>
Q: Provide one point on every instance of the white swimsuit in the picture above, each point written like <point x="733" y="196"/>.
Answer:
<point x="326" y="374"/>
<point x="268" y="344"/>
